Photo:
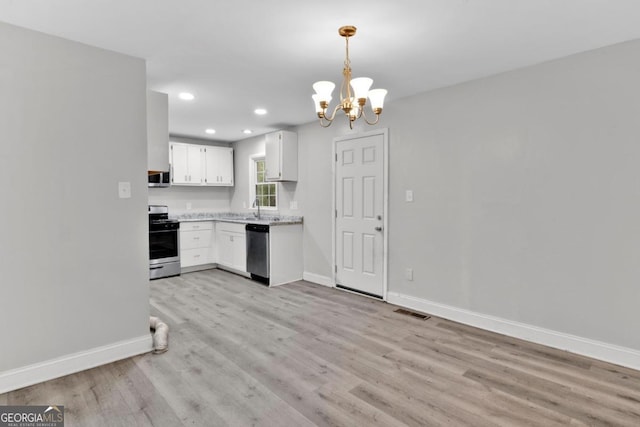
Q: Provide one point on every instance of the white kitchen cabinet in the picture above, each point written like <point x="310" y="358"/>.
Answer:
<point x="157" y="131"/>
<point x="197" y="244"/>
<point x="186" y="164"/>
<point x="231" y="242"/>
<point x="205" y="165"/>
<point x="281" y="156"/>
<point x="218" y="166"/>
<point x="285" y="254"/>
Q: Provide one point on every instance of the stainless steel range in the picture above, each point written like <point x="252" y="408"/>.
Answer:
<point x="164" y="243"/>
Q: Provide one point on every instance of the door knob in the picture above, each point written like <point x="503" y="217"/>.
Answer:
<point x="378" y="228"/>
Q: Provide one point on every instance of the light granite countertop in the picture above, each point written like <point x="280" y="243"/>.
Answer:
<point x="241" y="218"/>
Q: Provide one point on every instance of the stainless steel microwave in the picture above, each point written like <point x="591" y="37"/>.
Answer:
<point x="159" y="179"/>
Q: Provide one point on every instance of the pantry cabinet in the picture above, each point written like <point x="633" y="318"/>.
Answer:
<point x="281" y="156"/>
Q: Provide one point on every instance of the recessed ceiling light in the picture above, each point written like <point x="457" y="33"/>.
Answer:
<point x="210" y="131"/>
<point x="247" y="131"/>
<point x="260" y="111"/>
<point x="186" y="96"/>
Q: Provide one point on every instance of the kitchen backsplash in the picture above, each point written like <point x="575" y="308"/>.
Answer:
<point x="184" y="199"/>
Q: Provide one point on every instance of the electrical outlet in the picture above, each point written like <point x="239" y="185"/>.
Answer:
<point x="293" y="205"/>
<point x="189" y="205"/>
<point x="408" y="274"/>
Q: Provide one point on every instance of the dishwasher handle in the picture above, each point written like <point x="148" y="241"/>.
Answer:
<point x="258" y="228"/>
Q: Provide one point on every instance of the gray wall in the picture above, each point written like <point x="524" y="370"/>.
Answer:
<point x="73" y="256"/>
<point x="527" y="195"/>
<point x="240" y="199"/>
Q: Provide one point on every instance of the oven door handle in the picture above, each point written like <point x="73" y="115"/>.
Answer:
<point x="157" y="267"/>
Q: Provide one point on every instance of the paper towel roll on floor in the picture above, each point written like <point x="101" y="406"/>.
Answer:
<point x="160" y="335"/>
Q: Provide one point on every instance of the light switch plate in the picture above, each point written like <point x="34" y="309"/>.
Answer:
<point x="409" y="195"/>
<point x="189" y="206"/>
<point x="408" y="274"/>
<point x="124" y="190"/>
<point x="293" y="205"/>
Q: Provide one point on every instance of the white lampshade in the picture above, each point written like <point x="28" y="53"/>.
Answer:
<point x="361" y="86"/>
<point x="323" y="90"/>
<point x="316" y="101"/>
<point x="377" y="98"/>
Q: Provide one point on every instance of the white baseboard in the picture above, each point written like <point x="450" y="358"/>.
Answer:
<point x="72" y="363"/>
<point x="584" y="346"/>
<point x="316" y="278"/>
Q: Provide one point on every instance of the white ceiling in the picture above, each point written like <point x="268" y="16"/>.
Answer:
<point x="238" y="55"/>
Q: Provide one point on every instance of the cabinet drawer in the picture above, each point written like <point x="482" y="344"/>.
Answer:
<point x="231" y="227"/>
<point x="196" y="225"/>
<point x="196" y="239"/>
<point x="198" y="256"/>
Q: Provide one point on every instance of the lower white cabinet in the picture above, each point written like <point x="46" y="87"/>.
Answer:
<point x="285" y="254"/>
<point x="197" y="243"/>
<point x="231" y="242"/>
<point x="207" y="244"/>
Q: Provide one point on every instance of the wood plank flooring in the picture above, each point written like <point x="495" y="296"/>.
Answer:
<point x="241" y="354"/>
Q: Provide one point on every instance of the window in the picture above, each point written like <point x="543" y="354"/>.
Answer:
<point x="265" y="192"/>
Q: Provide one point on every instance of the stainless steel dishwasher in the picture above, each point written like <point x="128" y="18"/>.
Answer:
<point x="258" y="252"/>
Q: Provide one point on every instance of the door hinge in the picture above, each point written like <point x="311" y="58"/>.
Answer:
<point x="336" y="157"/>
<point x="336" y="212"/>
<point x="336" y="268"/>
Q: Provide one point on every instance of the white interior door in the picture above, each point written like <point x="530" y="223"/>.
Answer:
<point x="360" y="210"/>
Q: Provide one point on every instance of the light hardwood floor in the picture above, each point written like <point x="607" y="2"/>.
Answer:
<point x="241" y="354"/>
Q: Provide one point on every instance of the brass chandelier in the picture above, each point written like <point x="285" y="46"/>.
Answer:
<point x="352" y="102"/>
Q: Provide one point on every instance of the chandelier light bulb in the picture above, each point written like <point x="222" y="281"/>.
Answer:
<point x="355" y="109"/>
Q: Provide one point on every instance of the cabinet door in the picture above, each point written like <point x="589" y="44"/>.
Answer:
<point x="179" y="164"/>
<point x="218" y="166"/>
<point x="226" y="166"/>
<point x="186" y="164"/>
<point x="240" y="252"/>
<point x="281" y="156"/>
<point x="194" y="156"/>
<point x="224" y="240"/>
<point x="272" y="149"/>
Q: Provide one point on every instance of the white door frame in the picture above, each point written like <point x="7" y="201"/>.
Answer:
<point x="385" y="203"/>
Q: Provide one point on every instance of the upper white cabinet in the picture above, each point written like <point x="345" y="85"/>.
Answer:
<point x="201" y="165"/>
<point x="157" y="131"/>
<point x="281" y="156"/>
<point x="186" y="164"/>
<point x="218" y="166"/>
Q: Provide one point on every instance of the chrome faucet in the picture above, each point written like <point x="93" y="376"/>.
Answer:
<point x="256" y="202"/>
